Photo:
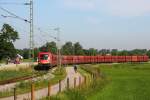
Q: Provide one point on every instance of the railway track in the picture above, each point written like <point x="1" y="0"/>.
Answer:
<point x="14" y="80"/>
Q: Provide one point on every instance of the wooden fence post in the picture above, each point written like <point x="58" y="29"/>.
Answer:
<point x="32" y="92"/>
<point x="49" y="89"/>
<point x="75" y="82"/>
<point x="68" y="83"/>
<point x="92" y="76"/>
<point x="79" y="82"/>
<point x="85" y="80"/>
<point x="15" y="96"/>
<point x="59" y="85"/>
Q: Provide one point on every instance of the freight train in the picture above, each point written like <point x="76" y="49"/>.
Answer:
<point x="49" y="59"/>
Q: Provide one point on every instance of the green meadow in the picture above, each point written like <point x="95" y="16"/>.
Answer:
<point x="126" y="82"/>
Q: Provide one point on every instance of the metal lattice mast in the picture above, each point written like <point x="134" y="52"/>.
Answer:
<point x="58" y="47"/>
<point x="31" y="41"/>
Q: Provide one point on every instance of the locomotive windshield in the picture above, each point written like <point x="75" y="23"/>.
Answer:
<point x="44" y="57"/>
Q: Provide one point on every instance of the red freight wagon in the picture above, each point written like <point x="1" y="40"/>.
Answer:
<point x="63" y="59"/>
<point x="54" y="59"/>
<point x="128" y="58"/>
<point x="85" y="59"/>
<point x="119" y="59"/>
<point x="140" y="58"/>
<point x="75" y="60"/>
<point x="134" y="59"/>
<point x="123" y="58"/>
<point x="96" y="59"/>
<point x="145" y="58"/>
<point x="107" y="59"/>
<point x="70" y="59"/>
<point x="114" y="59"/>
<point x="92" y="59"/>
<point x="99" y="59"/>
<point x="88" y="59"/>
<point x="81" y="59"/>
<point x="102" y="59"/>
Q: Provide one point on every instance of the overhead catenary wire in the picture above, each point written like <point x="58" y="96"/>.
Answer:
<point x="13" y="3"/>
<point x="13" y="15"/>
<point x="46" y="33"/>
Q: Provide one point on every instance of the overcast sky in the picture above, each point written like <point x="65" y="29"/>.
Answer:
<point x="120" y="24"/>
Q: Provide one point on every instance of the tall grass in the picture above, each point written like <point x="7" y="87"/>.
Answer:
<point x="21" y="72"/>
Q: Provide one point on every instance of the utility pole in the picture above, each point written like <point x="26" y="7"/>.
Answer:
<point x="58" y="48"/>
<point x="31" y="41"/>
<point x="73" y="53"/>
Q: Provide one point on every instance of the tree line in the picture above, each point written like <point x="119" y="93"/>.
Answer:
<point x="76" y="49"/>
<point x="9" y="35"/>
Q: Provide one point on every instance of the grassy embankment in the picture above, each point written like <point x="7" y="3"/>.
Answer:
<point x="25" y="87"/>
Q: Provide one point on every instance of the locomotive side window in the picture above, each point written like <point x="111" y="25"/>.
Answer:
<point x="44" y="57"/>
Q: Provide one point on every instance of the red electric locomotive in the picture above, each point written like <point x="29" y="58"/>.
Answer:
<point x="45" y="58"/>
<point x="49" y="59"/>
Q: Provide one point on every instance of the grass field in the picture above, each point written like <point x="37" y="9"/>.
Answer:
<point x="127" y="82"/>
<point x="119" y="82"/>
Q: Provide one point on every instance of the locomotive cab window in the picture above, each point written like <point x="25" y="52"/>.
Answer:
<point x="44" y="57"/>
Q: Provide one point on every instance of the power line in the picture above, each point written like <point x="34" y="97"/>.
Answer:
<point x="13" y="3"/>
<point x="39" y="29"/>
<point x="13" y="15"/>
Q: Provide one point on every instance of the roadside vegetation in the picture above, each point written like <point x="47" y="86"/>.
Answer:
<point x="128" y="81"/>
<point x="25" y="86"/>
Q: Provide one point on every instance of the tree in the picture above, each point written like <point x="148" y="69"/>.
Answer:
<point x="123" y="53"/>
<point x="78" y="50"/>
<point x="49" y="47"/>
<point x="86" y="52"/>
<point x="7" y="37"/>
<point x="36" y="51"/>
<point x="148" y="53"/>
<point x="114" y="52"/>
<point x="25" y="53"/>
<point x="104" y="51"/>
<point x="139" y="51"/>
<point x="67" y="49"/>
<point x="93" y="52"/>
